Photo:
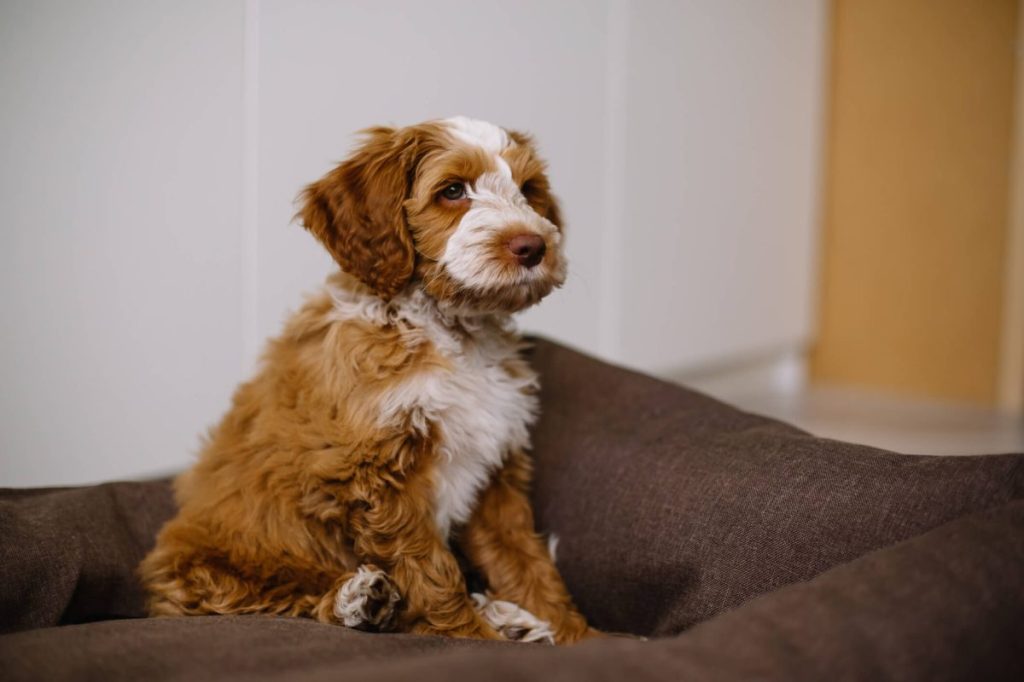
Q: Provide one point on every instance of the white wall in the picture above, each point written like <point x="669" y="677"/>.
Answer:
<point x="151" y="153"/>
<point x="716" y="240"/>
<point x="329" y="69"/>
<point x="120" y="197"/>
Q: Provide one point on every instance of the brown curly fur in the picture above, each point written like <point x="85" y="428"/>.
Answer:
<point x="367" y="191"/>
<point x="299" y="484"/>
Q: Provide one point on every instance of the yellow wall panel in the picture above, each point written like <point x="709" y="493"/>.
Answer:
<point x="917" y="196"/>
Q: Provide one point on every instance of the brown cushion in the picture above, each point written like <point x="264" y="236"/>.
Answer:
<point x="209" y="648"/>
<point x="69" y="555"/>
<point x="946" y="605"/>
<point x="670" y="507"/>
<point x="943" y="606"/>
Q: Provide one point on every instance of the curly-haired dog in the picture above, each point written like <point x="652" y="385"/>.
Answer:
<point x="389" y="421"/>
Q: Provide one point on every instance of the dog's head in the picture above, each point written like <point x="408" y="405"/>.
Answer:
<point x="459" y="207"/>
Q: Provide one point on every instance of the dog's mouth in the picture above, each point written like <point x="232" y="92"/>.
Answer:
<point x="508" y="290"/>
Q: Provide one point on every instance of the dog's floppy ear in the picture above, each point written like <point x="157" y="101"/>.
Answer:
<point x="356" y="211"/>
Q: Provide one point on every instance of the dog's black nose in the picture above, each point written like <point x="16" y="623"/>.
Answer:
<point x="527" y="248"/>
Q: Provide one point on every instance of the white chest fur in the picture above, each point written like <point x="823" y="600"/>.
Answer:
<point x="482" y="412"/>
<point x="479" y="408"/>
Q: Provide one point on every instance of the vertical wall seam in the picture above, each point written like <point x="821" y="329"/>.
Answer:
<point x="250" y="186"/>
<point x="826" y="83"/>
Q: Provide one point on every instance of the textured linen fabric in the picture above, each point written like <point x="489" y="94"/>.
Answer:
<point x="68" y="555"/>
<point x="208" y="648"/>
<point x="671" y="507"/>
<point x="946" y="605"/>
<point x="672" y="510"/>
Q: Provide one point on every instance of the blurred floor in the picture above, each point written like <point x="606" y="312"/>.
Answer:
<point x="903" y="425"/>
<point x="895" y="423"/>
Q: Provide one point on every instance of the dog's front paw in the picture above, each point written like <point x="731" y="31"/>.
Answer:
<point x="512" y="621"/>
<point x="368" y="600"/>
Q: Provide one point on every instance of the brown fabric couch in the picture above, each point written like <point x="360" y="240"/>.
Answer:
<point x="745" y="548"/>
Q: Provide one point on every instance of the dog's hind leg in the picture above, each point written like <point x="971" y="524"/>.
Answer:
<point x="183" y="580"/>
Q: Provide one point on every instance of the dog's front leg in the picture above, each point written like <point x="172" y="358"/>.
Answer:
<point x="501" y="542"/>
<point x="396" y="530"/>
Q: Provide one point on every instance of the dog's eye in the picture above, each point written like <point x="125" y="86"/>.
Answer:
<point x="454" y="191"/>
